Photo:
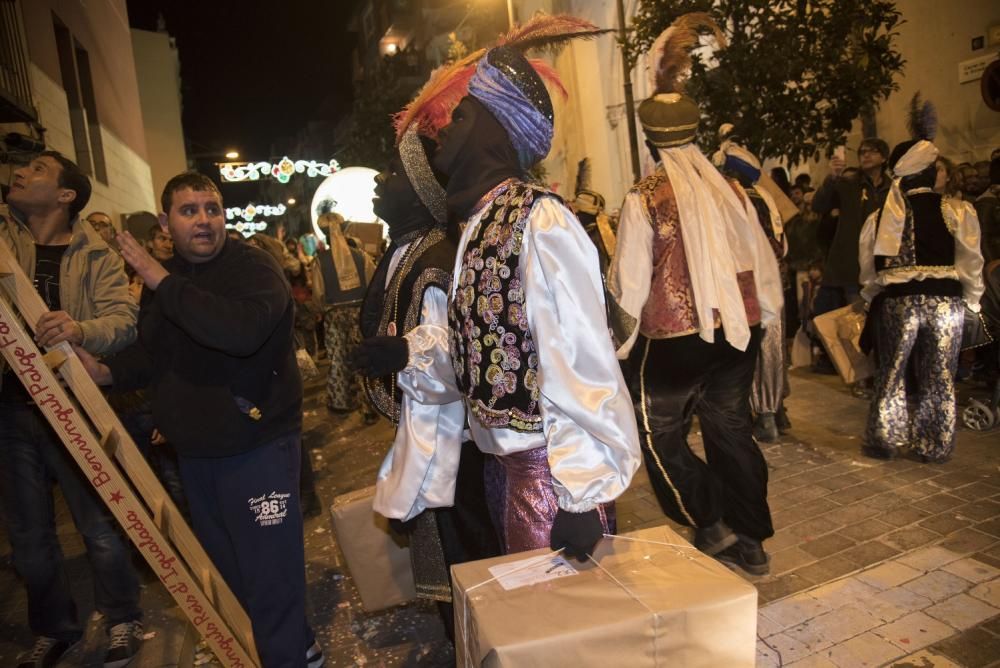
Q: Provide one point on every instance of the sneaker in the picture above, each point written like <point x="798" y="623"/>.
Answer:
<point x="765" y="430"/>
<point x="123" y="645"/>
<point x="314" y="656"/>
<point x="748" y="555"/>
<point x="714" y="538"/>
<point x="46" y="652"/>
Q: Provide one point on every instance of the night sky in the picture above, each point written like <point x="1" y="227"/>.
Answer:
<point x="254" y="71"/>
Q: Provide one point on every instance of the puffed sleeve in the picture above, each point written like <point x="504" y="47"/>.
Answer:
<point x="630" y="273"/>
<point x="420" y="469"/>
<point x="968" y="254"/>
<point x="429" y="376"/>
<point x="866" y="259"/>
<point x="587" y="415"/>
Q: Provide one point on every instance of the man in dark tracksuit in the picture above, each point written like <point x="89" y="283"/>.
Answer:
<point x="215" y="348"/>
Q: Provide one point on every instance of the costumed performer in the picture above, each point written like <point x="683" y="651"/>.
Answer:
<point x="693" y="279"/>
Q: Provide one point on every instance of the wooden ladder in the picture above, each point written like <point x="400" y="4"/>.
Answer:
<point x="110" y="460"/>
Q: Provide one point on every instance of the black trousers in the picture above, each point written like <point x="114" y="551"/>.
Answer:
<point x="671" y="381"/>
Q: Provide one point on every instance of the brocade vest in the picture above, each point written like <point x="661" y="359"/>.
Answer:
<point x="927" y="240"/>
<point x="670" y="310"/>
<point x="493" y="351"/>
<point x="394" y="310"/>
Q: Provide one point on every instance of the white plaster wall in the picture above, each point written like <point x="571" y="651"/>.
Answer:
<point x="130" y="183"/>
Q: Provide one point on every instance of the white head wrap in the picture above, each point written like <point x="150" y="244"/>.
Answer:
<point x="890" y="225"/>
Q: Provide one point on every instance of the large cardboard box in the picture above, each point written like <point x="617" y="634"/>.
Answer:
<point x="840" y="331"/>
<point x="653" y="601"/>
<point x="378" y="562"/>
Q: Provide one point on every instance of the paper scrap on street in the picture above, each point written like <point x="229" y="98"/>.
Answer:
<point x="520" y="574"/>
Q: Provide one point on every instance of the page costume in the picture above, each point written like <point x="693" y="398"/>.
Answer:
<point x="693" y="278"/>
<point x="920" y="260"/>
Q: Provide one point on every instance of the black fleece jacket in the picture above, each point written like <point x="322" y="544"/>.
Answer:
<point x="215" y="348"/>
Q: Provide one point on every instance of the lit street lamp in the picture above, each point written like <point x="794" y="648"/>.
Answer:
<point x="232" y="155"/>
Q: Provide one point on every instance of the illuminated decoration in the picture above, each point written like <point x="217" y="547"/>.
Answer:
<point x="352" y="190"/>
<point x="247" y="229"/>
<point x="248" y="212"/>
<point x="281" y="170"/>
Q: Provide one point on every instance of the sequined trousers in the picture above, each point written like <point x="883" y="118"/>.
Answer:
<point x="929" y="327"/>
<point x="522" y="501"/>
<point x="770" y="376"/>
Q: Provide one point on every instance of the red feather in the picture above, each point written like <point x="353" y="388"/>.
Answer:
<point x="431" y="108"/>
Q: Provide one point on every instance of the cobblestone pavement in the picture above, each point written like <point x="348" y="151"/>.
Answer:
<point x="873" y="563"/>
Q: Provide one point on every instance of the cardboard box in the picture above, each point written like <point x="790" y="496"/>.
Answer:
<point x="840" y="331"/>
<point x="653" y="601"/>
<point x="378" y="561"/>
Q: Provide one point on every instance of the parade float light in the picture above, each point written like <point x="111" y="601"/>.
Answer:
<point x="283" y="170"/>
<point x="351" y="190"/>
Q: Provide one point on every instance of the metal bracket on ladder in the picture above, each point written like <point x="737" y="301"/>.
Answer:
<point x="164" y="539"/>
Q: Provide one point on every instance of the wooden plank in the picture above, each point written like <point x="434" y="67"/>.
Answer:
<point x="54" y="359"/>
<point x="119" y="496"/>
<point x="23" y="296"/>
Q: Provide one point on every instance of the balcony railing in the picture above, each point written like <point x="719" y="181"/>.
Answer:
<point x="15" y="87"/>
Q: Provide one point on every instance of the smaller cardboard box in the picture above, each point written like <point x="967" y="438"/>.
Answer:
<point x="840" y="331"/>
<point x="378" y="561"/>
<point x="650" y="599"/>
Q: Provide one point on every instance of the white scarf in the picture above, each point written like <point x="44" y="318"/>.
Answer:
<point x="890" y="225"/>
<point x="715" y="229"/>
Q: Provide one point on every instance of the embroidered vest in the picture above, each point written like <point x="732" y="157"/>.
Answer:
<point x="493" y="351"/>
<point x="928" y="240"/>
<point x="395" y="310"/>
<point x="670" y="311"/>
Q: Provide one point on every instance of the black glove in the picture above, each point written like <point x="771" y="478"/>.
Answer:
<point x="577" y="532"/>
<point x="380" y="356"/>
<point x="401" y="527"/>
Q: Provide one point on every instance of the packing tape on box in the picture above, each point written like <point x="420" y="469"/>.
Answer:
<point x="466" y="655"/>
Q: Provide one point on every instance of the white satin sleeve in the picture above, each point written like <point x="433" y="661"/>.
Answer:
<point x="866" y="259"/>
<point x="968" y="254"/>
<point x="420" y="468"/>
<point x="587" y="414"/>
<point x="631" y="270"/>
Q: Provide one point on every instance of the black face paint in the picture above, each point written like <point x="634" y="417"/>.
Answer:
<point x="476" y="154"/>
<point x="397" y="203"/>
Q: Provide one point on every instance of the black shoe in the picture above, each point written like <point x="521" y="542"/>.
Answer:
<point x="125" y="639"/>
<point x="748" y="555"/>
<point x="46" y="653"/>
<point x="878" y="452"/>
<point x="764" y="429"/>
<point x="782" y="421"/>
<point x="715" y="538"/>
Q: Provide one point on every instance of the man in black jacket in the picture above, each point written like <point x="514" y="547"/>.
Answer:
<point x="215" y="348"/>
<point x="855" y="197"/>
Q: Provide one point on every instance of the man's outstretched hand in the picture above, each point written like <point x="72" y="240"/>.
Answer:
<point x="380" y="356"/>
<point x="152" y="272"/>
<point x="578" y="533"/>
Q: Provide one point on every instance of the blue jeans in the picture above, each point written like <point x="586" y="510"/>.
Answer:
<point x="245" y="511"/>
<point x="31" y="456"/>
